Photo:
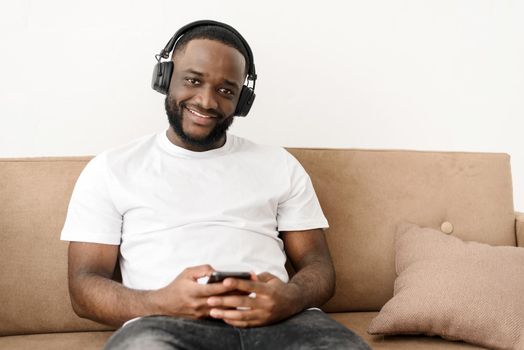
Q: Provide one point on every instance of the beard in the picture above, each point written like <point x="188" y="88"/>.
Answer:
<point x="174" y="116"/>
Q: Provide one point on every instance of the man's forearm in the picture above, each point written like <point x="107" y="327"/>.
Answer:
<point x="315" y="283"/>
<point x="101" y="299"/>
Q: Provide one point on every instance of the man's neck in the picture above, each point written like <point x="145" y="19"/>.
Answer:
<point x="178" y="141"/>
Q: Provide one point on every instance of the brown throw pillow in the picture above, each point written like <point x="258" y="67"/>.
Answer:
<point x="458" y="290"/>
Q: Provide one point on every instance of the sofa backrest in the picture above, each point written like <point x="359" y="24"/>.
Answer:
<point x="364" y="194"/>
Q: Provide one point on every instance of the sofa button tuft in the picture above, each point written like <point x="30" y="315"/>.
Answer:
<point x="446" y="227"/>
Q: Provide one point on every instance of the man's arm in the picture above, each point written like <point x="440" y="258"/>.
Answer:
<point x="96" y="296"/>
<point x="309" y="254"/>
<point x="312" y="285"/>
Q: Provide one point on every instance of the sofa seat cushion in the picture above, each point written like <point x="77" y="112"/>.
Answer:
<point x="56" y="341"/>
<point x="359" y="322"/>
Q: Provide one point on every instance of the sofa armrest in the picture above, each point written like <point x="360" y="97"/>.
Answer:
<point x="519" y="228"/>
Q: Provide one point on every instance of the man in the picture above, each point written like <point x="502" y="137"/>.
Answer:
<point x="175" y="206"/>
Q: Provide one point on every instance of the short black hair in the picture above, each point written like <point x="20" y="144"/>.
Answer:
<point x="213" y="32"/>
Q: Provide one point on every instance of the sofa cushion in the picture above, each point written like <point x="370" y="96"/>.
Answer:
<point x="365" y="194"/>
<point x="459" y="290"/>
<point x="358" y="322"/>
<point x="56" y="341"/>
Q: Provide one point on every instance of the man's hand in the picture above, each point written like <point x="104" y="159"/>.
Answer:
<point x="312" y="285"/>
<point x="269" y="300"/>
<point x="185" y="297"/>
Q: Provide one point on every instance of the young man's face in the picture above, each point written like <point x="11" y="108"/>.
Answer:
<point x="206" y="83"/>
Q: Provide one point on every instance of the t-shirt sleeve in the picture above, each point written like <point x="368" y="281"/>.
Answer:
<point x="299" y="209"/>
<point x="92" y="215"/>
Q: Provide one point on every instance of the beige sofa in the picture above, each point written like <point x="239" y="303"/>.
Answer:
<point x="364" y="194"/>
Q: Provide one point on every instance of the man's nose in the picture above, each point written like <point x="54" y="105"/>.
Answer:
<point x="208" y="98"/>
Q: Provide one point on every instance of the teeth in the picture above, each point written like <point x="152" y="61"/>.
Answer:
<point x="198" y="114"/>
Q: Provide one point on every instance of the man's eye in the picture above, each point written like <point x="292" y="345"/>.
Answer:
<point x="192" y="81"/>
<point x="226" y="91"/>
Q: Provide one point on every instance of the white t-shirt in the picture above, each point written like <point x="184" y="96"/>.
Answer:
<point x="170" y="208"/>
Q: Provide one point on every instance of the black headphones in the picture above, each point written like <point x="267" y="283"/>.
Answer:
<point x="163" y="70"/>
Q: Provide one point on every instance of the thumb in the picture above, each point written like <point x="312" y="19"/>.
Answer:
<point x="195" y="272"/>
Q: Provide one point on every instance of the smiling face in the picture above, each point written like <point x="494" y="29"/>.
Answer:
<point x="205" y="86"/>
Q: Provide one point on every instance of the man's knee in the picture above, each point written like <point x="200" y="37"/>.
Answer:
<point x="144" y="333"/>
<point x="318" y="331"/>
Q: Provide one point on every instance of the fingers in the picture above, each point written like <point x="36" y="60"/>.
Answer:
<point x="240" y="318"/>
<point x="239" y="311"/>
<point x="259" y="308"/>
<point x="265" y="277"/>
<point x="234" y="301"/>
<point x="247" y="286"/>
<point x="257" y="285"/>
<point x="254" y="276"/>
<point x="209" y="290"/>
<point x="203" y="290"/>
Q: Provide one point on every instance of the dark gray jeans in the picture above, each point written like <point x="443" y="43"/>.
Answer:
<point x="310" y="329"/>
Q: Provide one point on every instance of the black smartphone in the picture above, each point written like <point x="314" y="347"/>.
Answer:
<point x="219" y="276"/>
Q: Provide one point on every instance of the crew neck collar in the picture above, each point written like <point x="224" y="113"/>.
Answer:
<point x="178" y="151"/>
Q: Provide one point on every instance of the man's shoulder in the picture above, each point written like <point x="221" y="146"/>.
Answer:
<point x="272" y="155"/>
<point x="124" y="157"/>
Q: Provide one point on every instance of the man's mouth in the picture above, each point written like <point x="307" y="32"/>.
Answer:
<point x="199" y="114"/>
<point x="200" y="118"/>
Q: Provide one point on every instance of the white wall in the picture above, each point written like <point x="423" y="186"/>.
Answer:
<point x="419" y="74"/>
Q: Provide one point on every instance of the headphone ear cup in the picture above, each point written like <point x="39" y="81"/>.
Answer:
<point x="245" y="101"/>
<point x="162" y="77"/>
